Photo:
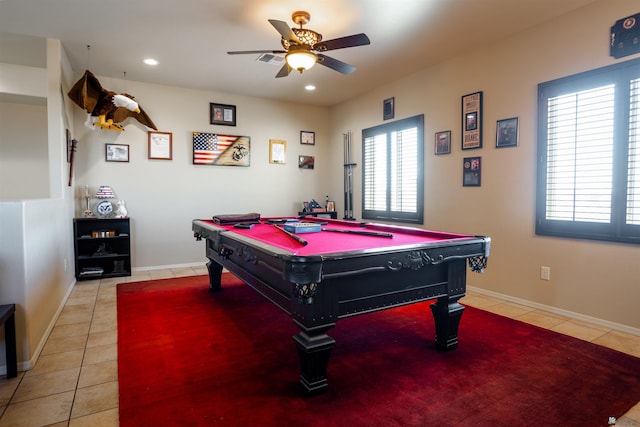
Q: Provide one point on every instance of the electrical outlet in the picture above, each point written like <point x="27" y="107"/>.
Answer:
<point x="545" y="273"/>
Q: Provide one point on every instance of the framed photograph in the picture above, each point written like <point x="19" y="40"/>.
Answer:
<point x="116" y="152"/>
<point x="331" y="206"/>
<point x="306" y="162"/>
<point x="507" y="132"/>
<point x="443" y="142"/>
<point x="277" y="149"/>
<point x="160" y="145"/>
<point x="472" y="172"/>
<point x="388" y="108"/>
<point x="222" y="114"/>
<point x="221" y="150"/>
<point x="307" y="137"/>
<point x="472" y="121"/>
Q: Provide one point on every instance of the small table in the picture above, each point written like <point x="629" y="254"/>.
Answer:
<point x="345" y="273"/>
<point x="7" y="317"/>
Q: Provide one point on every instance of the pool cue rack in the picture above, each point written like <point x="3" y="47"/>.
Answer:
<point x="348" y="177"/>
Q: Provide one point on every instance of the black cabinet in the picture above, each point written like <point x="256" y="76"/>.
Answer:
<point x="102" y="248"/>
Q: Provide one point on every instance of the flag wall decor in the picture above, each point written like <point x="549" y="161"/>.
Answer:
<point x="221" y="150"/>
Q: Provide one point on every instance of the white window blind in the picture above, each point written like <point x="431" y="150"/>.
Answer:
<point x="580" y="155"/>
<point x="633" y="183"/>
<point x="375" y="180"/>
<point x="404" y="170"/>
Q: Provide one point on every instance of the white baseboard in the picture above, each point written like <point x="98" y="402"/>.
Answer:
<point x="566" y="313"/>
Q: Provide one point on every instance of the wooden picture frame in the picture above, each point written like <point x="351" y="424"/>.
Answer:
<point x="222" y="114"/>
<point x="160" y="145"/>
<point x="443" y="142"/>
<point x="507" y="133"/>
<point x="307" y="137"/>
<point x="472" y="121"/>
<point x="472" y="172"/>
<point x="277" y="151"/>
<point x="388" y="108"/>
<point x="116" y="152"/>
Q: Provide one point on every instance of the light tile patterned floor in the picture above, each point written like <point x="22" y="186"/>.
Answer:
<point x="75" y="380"/>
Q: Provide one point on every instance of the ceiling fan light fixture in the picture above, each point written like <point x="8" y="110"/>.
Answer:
<point x="301" y="60"/>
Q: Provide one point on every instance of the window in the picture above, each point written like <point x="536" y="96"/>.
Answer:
<point x="392" y="171"/>
<point x="589" y="155"/>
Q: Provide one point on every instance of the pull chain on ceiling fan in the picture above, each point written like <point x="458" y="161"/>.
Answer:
<point x="303" y="47"/>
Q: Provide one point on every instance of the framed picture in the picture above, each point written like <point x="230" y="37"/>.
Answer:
<point x="331" y="206"/>
<point x="306" y="162"/>
<point x="388" y="108"/>
<point x="221" y="150"/>
<point x="507" y="132"/>
<point x="277" y="149"/>
<point x="472" y="172"/>
<point x="160" y="145"/>
<point x="472" y="121"/>
<point x="443" y="142"/>
<point x="222" y="114"/>
<point x="307" y="137"/>
<point x="116" y="152"/>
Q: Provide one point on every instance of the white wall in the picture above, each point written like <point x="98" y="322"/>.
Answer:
<point x="24" y="157"/>
<point x="35" y="234"/>
<point x="592" y="279"/>
<point x="164" y="196"/>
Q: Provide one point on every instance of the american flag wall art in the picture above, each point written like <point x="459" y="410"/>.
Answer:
<point x="221" y="150"/>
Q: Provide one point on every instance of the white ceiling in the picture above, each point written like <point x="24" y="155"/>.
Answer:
<point x="190" y="38"/>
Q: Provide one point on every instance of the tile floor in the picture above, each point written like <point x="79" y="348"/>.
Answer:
<point x="75" y="380"/>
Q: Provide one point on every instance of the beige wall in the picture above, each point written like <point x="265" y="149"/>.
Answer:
<point x="593" y="279"/>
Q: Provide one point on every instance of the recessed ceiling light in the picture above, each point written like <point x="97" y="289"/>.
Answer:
<point x="150" y="61"/>
<point x="310" y="87"/>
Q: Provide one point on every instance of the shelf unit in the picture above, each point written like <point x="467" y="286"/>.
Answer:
<point x="102" y="247"/>
<point x="326" y="214"/>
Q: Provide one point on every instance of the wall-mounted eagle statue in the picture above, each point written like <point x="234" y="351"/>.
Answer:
<point x="110" y="107"/>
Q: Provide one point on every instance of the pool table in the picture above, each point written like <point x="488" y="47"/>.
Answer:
<point x="347" y="269"/>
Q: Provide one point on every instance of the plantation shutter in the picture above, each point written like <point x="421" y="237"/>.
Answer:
<point x="404" y="170"/>
<point x="392" y="171"/>
<point x="580" y="156"/>
<point x="633" y="183"/>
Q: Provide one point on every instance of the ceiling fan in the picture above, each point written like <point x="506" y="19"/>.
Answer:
<point x="304" y="47"/>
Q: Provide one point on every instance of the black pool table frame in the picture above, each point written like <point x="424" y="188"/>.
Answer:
<point x="316" y="291"/>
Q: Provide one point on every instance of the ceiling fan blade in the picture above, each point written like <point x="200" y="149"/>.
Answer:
<point x="284" y="71"/>
<point x="244" y="52"/>
<point x="284" y="30"/>
<point x="342" y="42"/>
<point x="334" y="64"/>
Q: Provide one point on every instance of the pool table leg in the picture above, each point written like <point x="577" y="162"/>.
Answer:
<point x="314" y="351"/>
<point x="215" y="275"/>
<point x="446" y="314"/>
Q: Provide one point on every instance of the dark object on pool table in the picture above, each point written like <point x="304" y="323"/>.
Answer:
<point x="236" y="218"/>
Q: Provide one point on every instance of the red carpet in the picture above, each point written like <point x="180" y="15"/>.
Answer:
<point x="188" y="357"/>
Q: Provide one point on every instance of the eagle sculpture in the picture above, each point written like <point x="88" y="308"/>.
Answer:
<point x="110" y="107"/>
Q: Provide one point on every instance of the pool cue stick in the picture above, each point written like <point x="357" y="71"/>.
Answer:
<point x="293" y="236"/>
<point x="363" y="233"/>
